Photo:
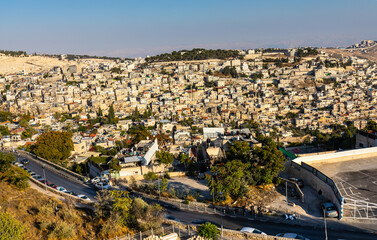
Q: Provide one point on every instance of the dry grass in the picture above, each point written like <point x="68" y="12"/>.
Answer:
<point x="41" y="220"/>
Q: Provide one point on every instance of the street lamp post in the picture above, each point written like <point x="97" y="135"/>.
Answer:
<point x="44" y="175"/>
<point x="324" y="218"/>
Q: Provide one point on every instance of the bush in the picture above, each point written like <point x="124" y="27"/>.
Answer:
<point x="151" y="176"/>
<point x="63" y="230"/>
<point x="208" y="231"/>
<point x="10" y="228"/>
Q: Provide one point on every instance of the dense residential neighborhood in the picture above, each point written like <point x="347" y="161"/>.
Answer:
<point x="222" y="122"/>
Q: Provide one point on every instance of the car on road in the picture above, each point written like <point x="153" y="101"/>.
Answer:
<point x="44" y="181"/>
<point x="101" y="186"/>
<point x="25" y="161"/>
<point x="82" y="196"/>
<point x="330" y="210"/>
<point x="169" y="217"/>
<point x="38" y="177"/>
<point x="52" y="185"/>
<point x="292" y="235"/>
<point x="62" y="189"/>
<point x="252" y="230"/>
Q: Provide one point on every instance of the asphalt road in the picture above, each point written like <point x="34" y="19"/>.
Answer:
<point x="52" y="176"/>
<point x="188" y="217"/>
<point x="269" y="227"/>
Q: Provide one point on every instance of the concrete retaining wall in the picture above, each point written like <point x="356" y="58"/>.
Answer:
<point x="316" y="183"/>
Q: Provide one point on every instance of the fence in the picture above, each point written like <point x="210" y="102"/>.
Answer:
<point x="324" y="178"/>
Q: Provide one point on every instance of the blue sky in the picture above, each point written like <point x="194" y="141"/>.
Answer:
<point x="139" y="28"/>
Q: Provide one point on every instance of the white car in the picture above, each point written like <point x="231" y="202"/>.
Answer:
<point x="292" y="235"/>
<point x="252" y="230"/>
<point x="101" y="186"/>
<point x="82" y="196"/>
<point x="62" y="189"/>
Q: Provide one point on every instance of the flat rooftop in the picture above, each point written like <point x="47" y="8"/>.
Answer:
<point x="355" y="179"/>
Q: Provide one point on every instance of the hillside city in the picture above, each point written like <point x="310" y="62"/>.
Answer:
<point x="210" y="129"/>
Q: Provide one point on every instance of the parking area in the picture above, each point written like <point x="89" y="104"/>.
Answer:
<point x="356" y="179"/>
<point x="187" y="184"/>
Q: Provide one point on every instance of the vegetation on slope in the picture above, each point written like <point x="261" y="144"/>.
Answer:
<point x="194" y="54"/>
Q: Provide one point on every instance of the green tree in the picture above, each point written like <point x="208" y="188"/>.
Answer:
<point x="229" y="179"/>
<point x="111" y="115"/>
<point x="184" y="159"/>
<point x="10" y="228"/>
<point x="17" y="177"/>
<point x="371" y="125"/>
<point x="114" y="166"/>
<point x="4" y="131"/>
<point x="26" y="134"/>
<point x="6" y="160"/>
<point x="208" y="231"/>
<point x="100" y="113"/>
<point x="122" y="204"/>
<point x="54" y="146"/>
<point x="239" y="150"/>
<point x="165" y="158"/>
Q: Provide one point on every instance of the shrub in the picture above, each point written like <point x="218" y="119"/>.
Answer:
<point x="208" y="231"/>
<point x="63" y="230"/>
<point x="10" y="228"/>
<point x="150" y="176"/>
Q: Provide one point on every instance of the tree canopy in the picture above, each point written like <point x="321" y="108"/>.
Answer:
<point x="54" y="146"/>
<point x="245" y="167"/>
<point x="195" y="54"/>
<point x="13" y="175"/>
<point x="165" y="157"/>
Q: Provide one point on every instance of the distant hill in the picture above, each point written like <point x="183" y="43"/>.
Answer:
<point x="195" y="54"/>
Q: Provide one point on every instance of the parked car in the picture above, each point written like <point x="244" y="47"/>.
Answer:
<point x="38" y="177"/>
<point x="82" y="196"/>
<point x="292" y="235"/>
<point x="62" y="189"/>
<point x="33" y="174"/>
<point x="101" y="185"/>
<point x="44" y="181"/>
<point x="298" y="181"/>
<point x="52" y="185"/>
<point x="252" y="230"/>
<point x="330" y="210"/>
<point x="25" y="161"/>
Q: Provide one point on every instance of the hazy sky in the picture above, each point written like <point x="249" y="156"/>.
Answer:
<point x="139" y="28"/>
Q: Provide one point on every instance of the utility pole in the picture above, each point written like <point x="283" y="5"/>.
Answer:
<point x="324" y="218"/>
<point x="286" y="196"/>
<point x="44" y="176"/>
